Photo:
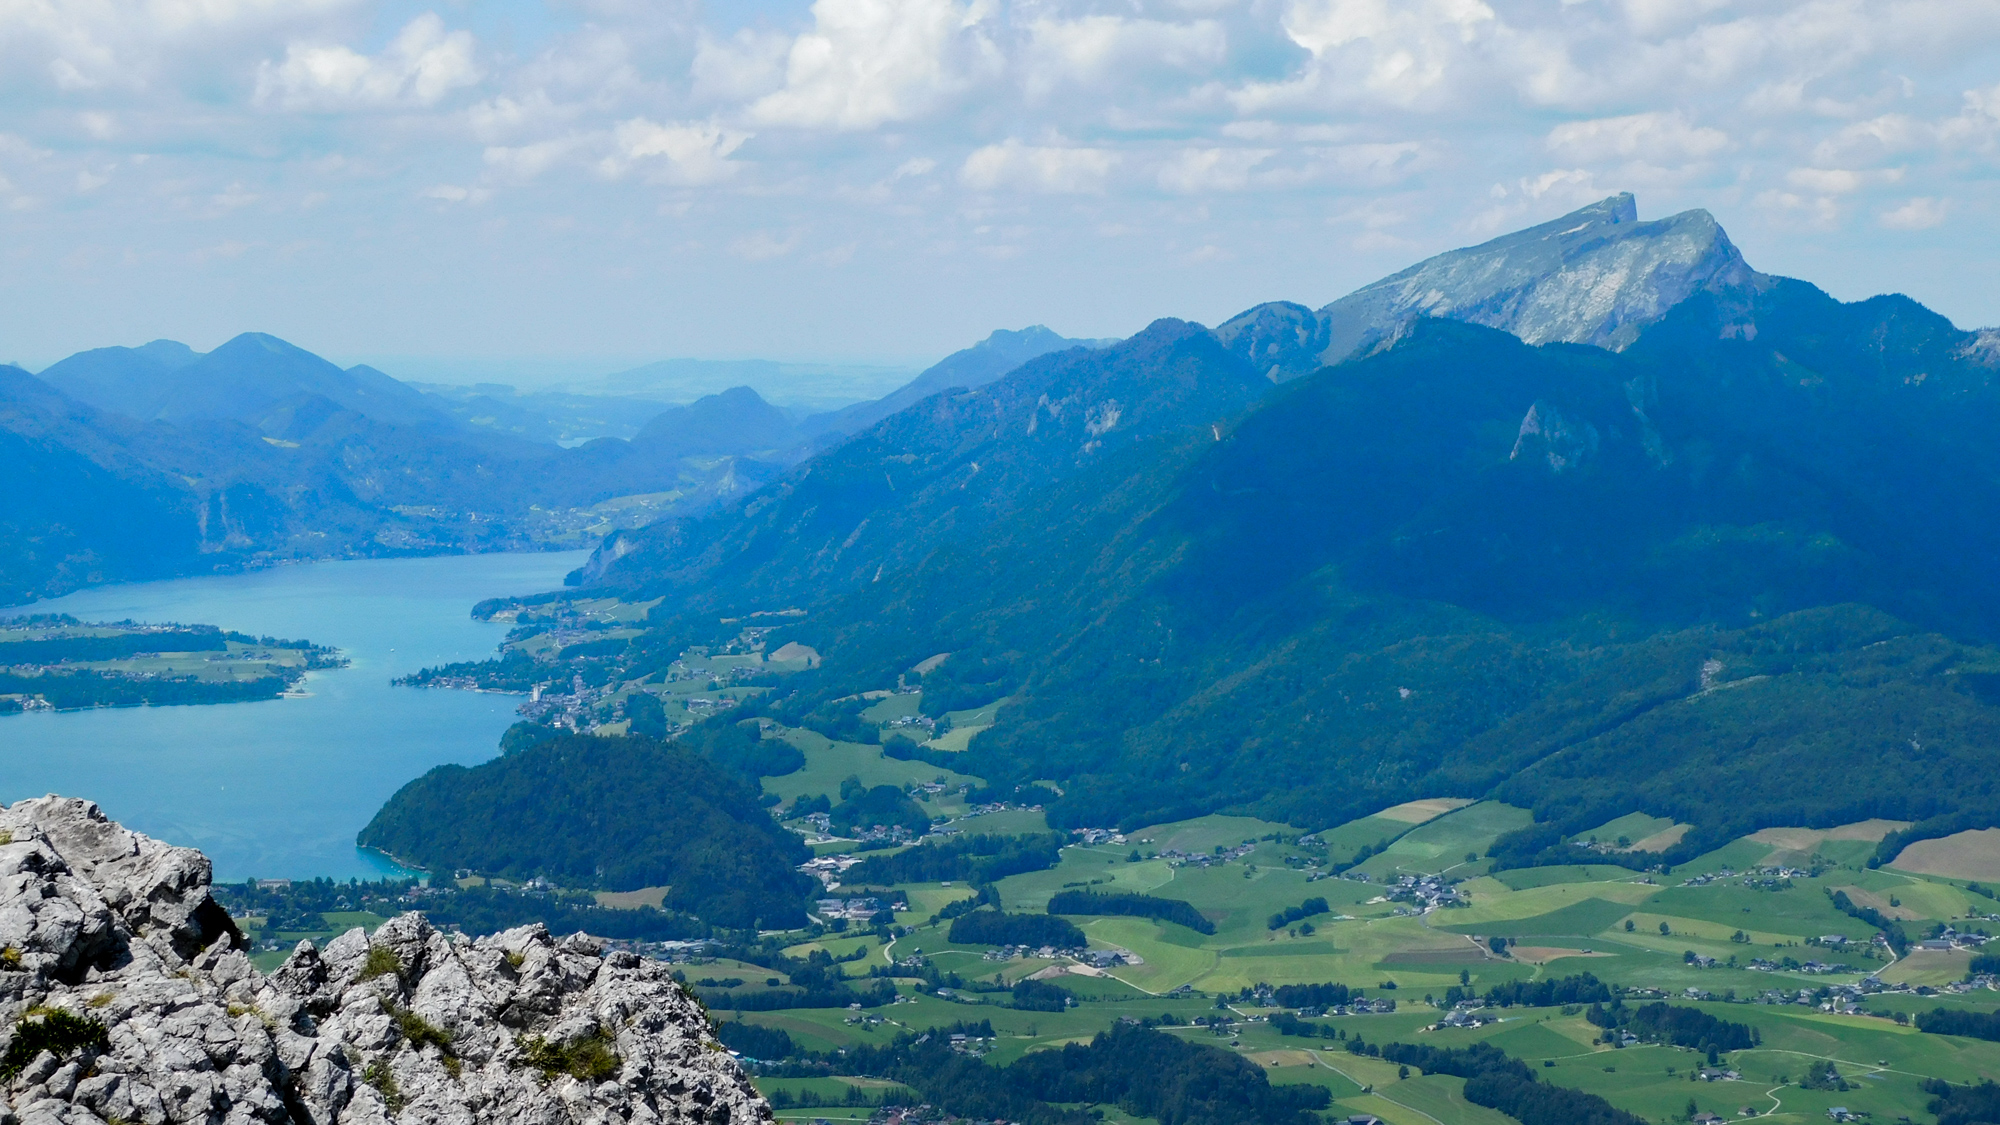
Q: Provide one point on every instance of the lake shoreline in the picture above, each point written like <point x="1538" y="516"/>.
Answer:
<point x="279" y="788"/>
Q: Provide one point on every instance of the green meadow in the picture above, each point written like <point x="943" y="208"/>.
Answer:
<point x="1628" y="927"/>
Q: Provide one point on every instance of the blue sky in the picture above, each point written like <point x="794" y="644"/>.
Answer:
<point x="560" y="188"/>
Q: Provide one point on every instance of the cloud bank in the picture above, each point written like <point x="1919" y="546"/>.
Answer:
<point x="888" y="178"/>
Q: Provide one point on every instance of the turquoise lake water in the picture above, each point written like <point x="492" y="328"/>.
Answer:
<point x="278" y="789"/>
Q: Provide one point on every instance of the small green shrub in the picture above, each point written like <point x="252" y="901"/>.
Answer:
<point x="589" y="1058"/>
<point x="383" y="1079"/>
<point x="382" y="961"/>
<point x="421" y="1032"/>
<point x="52" y="1030"/>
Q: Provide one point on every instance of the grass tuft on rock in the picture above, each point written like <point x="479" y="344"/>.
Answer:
<point x="52" y="1030"/>
<point x="421" y="1032"/>
<point x="383" y="1079"/>
<point x="382" y="961"/>
<point x="589" y="1058"/>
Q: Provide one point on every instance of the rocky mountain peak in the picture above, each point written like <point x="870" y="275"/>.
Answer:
<point x="1598" y="275"/>
<point x="124" y="997"/>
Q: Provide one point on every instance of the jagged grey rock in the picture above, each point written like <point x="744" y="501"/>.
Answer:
<point x="1596" y="276"/>
<point x="413" y="1026"/>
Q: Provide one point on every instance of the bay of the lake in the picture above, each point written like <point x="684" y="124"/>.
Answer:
<point x="278" y="789"/>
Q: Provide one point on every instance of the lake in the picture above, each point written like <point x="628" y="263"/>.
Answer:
<point x="278" y="789"/>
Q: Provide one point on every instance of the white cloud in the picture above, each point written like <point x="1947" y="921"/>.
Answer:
<point x="1101" y="46"/>
<point x="1658" y="138"/>
<point x="1920" y="213"/>
<point x="1402" y="52"/>
<point x="1839" y="181"/>
<point x="97" y="45"/>
<point x="1212" y="169"/>
<point x="744" y="66"/>
<point x="870" y="62"/>
<point x="686" y="153"/>
<point x="420" y="66"/>
<point x="927" y="130"/>
<point x="1879" y="138"/>
<point x="1818" y="211"/>
<point x="233" y="197"/>
<point x="764" y="245"/>
<point x="525" y="162"/>
<point x="1042" y="168"/>
<point x="497" y="119"/>
<point x="453" y="193"/>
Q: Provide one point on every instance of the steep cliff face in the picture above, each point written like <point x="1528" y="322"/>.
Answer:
<point x="123" y="997"/>
<point x="1596" y="276"/>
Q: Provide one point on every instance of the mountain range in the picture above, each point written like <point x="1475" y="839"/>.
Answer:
<point x="159" y="460"/>
<point x="1593" y="517"/>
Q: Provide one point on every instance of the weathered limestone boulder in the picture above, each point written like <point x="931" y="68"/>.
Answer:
<point x="124" y="998"/>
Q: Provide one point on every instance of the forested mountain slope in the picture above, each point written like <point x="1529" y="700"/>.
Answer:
<point x="948" y="466"/>
<point x="78" y="509"/>
<point x="976" y="366"/>
<point x="161" y="460"/>
<point x="245" y="380"/>
<point x="1730" y="573"/>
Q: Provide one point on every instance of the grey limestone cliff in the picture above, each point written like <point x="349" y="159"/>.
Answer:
<point x="1595" y="276"/>
<point x="124" y="998"/>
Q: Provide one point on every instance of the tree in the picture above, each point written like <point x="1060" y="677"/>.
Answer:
<point x="1628" y="926"/>
<point x="1665" y="929"/>
<point x="1498" y="945"/>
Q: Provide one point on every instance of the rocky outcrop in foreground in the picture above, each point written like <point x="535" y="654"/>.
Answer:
<point x="124" y="998"/>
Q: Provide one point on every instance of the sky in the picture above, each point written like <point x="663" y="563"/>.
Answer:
<point x="544" y="190"/>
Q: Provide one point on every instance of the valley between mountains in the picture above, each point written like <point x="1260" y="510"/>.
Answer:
<point x="1559" y="682"/>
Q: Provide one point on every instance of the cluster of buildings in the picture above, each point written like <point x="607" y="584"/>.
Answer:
<point x="1815" y="968"/>
<point x="1426" y="892"/>
<point x="1100" y="836"/>
<point x="1177" y="858"/>
<point x="1467" y="1013"/>
<point x="1948" y="939"/>
<point x="574" y="709"/>
<point x="1716" y="1074"/>
<point x="1357" y="1006"/>
<point x="997" y="806"/>
<point x="1830" y="998"/>
<point x="916" y="1115"/>
<point x="1010" y="952"/>
<point x="672" y="952"/>
<point x="1108" y="958"/>
<point x="855" y="909"/>
<point x="973" y="1045"/>
<point x="828" y="868"/>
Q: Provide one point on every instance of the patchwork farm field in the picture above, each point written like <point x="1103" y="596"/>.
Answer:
<point x="1755" y="933"/>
